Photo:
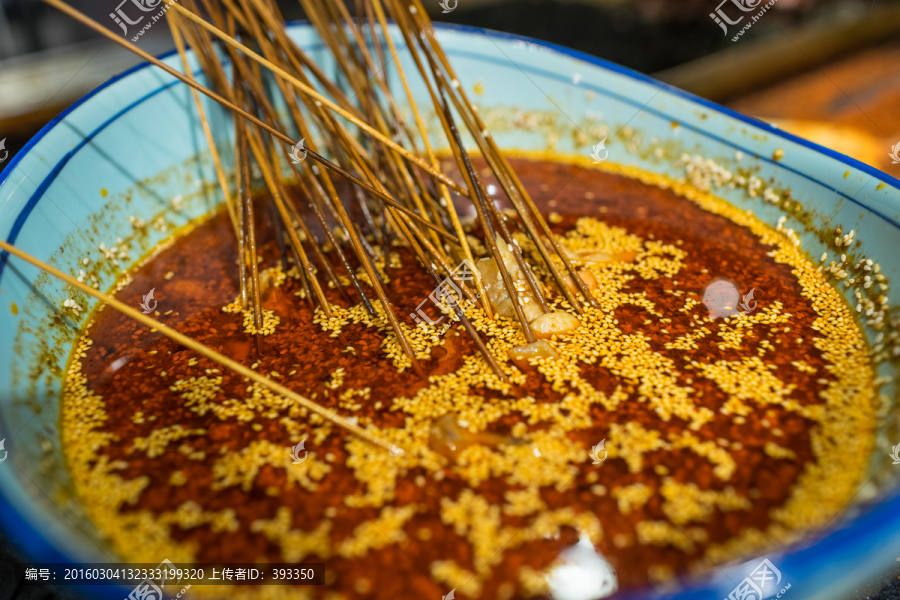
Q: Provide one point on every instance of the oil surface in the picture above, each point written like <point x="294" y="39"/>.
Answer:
<point x="718" y="431"/>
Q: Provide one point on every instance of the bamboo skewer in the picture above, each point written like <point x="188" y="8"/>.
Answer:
<point x="401" y="73"/>
<point x="255" y="146"/>
<point x="380" y="156"/>
<point x="149" y="58"/>
<point x="312" y="93"/>
<point x="259" y="153"/>
<point x="233" y="107"/>
<point x="304" y="277"/>
<point x="489" y="235"/>
<point x="297" y="58"/>
<point x="206" y="351"/>
<point x="501" y="222"/>
<point x="323" y="260"/>
<point x="520" y="191"/>
<point x="308" y="270"/>
<point x="470" y="330"/>
<point x="251" y="235"/>
<point x="207" y="131"/>
<point x="461" y="315"/>
<point x="505" y="176"/>
<point x="330" y="237"/>
<point x="317" y="19"/>
<point x="367" y="265"/>
<point x="457" y="226"/>
<point x="277" y="194"/>
<point x="399" y="333"/>
<point x="473" y="184"/>
<point x="239" y="188"/>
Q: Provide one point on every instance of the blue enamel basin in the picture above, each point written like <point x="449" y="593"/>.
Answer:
<point x="124" y="152"/>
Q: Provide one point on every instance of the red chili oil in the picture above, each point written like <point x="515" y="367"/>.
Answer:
<point x="205" y="278"/>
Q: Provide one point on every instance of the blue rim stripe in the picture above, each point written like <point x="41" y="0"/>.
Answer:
<point x="4" y="175"/>
<point x="646" y="108"/>
<point x="577" y="54"/>
<point x="57" y="169"/>
<point x="616" y="68"/>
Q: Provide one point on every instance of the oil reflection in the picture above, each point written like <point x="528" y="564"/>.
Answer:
<point x="721" y="298"/>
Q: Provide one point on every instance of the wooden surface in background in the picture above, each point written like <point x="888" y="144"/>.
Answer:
<point x="859" y="95"/>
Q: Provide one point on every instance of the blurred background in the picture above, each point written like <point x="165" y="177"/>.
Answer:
<point x="826" y="70"/>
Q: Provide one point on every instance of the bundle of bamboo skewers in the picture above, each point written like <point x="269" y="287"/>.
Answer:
<point x="388" y="163"/>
